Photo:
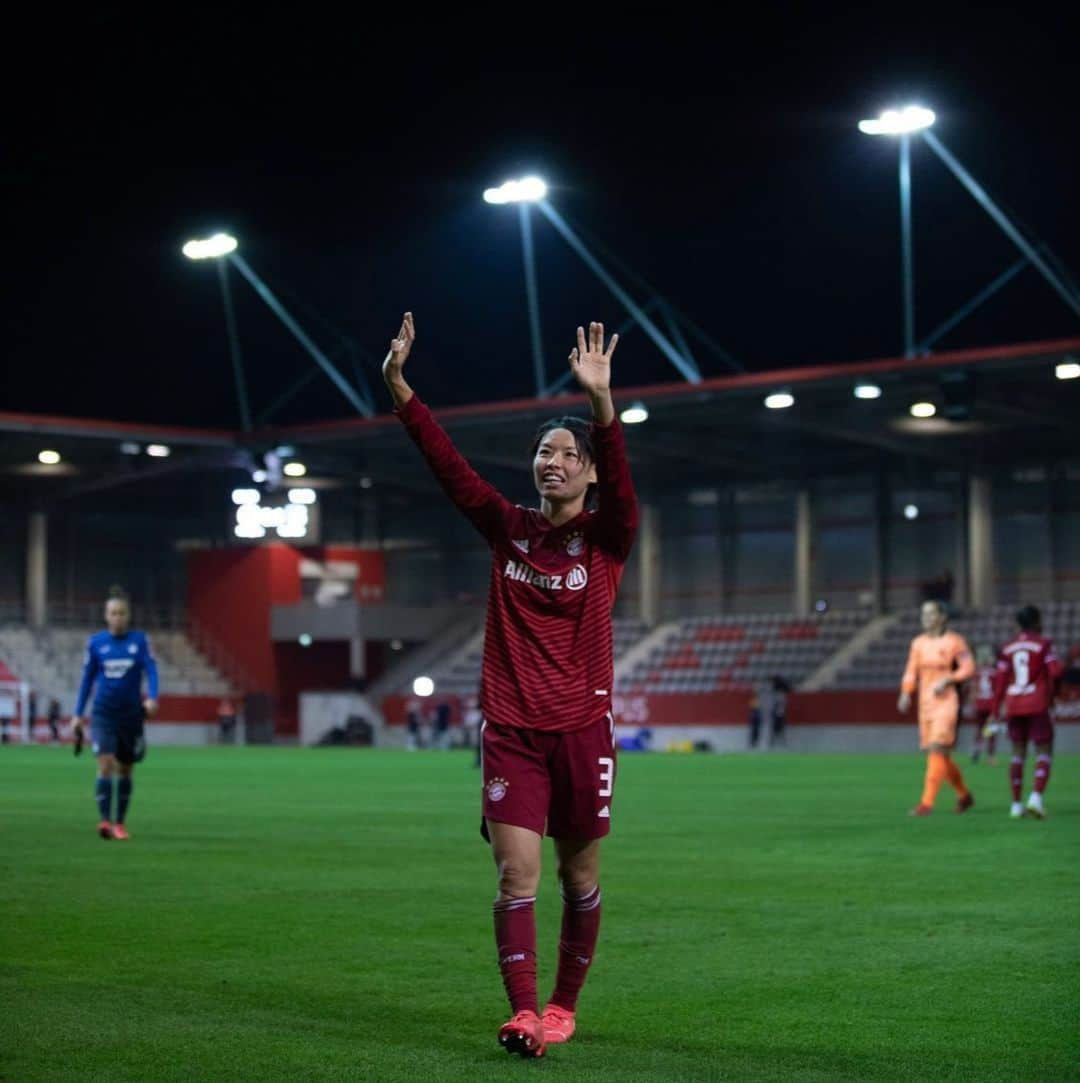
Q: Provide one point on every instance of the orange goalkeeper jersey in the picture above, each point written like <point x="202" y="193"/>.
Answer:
<point x="930" y="659"/>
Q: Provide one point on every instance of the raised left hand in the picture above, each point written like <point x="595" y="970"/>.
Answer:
<point x="590" y="362"/>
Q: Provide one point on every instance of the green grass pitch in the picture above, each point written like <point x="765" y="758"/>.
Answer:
<point x="302" y="914"/>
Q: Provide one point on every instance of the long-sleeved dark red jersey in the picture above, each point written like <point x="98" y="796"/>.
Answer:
<point x="1028" y="671"/>
<point x="548" y="660"/>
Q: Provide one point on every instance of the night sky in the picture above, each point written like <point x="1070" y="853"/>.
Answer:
<point x="718" y="160"/>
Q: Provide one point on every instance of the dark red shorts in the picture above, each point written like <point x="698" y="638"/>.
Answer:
<point x="560" y="784"/>
<point x="1036" y="728"/>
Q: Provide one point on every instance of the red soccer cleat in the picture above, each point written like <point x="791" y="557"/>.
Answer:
<point x="120" y="832"/>
<point x="104" y="829"/>
<point x="558" y="1024"/>
<point x="523" y="1034"/>
<point x="965" y="802"/>
<point x="921" y="810"/>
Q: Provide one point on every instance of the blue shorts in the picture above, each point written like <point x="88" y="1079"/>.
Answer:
<point x="123" y="739"/>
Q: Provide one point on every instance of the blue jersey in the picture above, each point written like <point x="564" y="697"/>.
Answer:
<point x="117" y="664"/>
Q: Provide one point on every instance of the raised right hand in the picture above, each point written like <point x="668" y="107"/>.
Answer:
<point x="399" y="350"/>
<point x="903" y="704"/>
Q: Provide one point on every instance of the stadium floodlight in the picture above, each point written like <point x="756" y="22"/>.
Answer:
<point x="525" y="190"/>
<point x="1067" y="370"/>
<point x="49" y="458"/>
<point x="221" y="244"/>
<point x="901" y="123"/>
<point x="635" y="414"/>
<point x="302" y="496"/>
<point x="922" y="409"/>
<point x="779" y="400"/>
<point x="867" y="391"/>
<point x="245" y="496"/>
<point x="911" y="511"/>
<point x="912" y="118"/>
<point x="294" y="470"/>
<point x="158" y="451"/>
<point x="304" y="639"/>
<point x="258" y="476"/>
<point x="423" y="686"/>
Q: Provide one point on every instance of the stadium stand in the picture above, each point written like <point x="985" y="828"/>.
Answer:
<point x="722" y="653"/>
<point x="882" y="663"/>
<point x="51" y="663"/>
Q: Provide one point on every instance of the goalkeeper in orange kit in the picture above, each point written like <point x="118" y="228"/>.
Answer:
<point x="938" y="663"/>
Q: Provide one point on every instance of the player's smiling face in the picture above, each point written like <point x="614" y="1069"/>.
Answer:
<point x="117" y="617"/>
<point x="560" y="471"/>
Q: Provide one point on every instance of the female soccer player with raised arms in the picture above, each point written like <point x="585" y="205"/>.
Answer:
<point x="548" y="733"/>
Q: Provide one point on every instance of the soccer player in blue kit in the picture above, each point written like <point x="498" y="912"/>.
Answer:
<point x="116" y="660"/>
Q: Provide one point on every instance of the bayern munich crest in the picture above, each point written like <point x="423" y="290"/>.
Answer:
<point x="575" y="544"/>
<point x="496" y="789"/>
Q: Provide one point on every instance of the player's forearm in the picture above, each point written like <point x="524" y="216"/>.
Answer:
<point x="603" y="407"/>
<point x="399" y="389"/>
<point x="84" y="695"/>
<point x="476" y="498"/>
<point x="963" y="672"/>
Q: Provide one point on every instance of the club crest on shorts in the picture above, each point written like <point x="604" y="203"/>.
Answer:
<point x="575" y="544"/>
<point x="496" y="789"/>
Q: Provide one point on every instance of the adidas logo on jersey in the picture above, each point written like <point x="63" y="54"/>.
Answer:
<point x="605" y="813"/>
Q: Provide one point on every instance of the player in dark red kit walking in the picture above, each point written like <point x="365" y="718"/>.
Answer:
<point x="1028" y="672"/>
<point x="547" y="732"/>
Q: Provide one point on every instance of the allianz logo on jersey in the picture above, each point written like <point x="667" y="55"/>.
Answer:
<point x="115" y="668"/>
<point x="575" y="579"/>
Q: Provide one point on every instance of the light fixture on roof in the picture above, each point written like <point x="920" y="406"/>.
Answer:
<point x="245" y="496"/>
<point x="158" y="451"/>
<point x="48" y="457"/>
<point x="258" y="476"/>
<point x="526" y="190"/>
<point x="922" y="409"/>
<point x="911" y="511"/>
<point x="911" y="118"/>
<point x="779" y="400"/>
<point x="635" y="413"/>
<point x="128" y="448"/>
<point x="302" y="496"/>
<point x="867" y="391"/>
<point x="366" y="483"/>
<point x="221" y="244"/>
<point x="294" y="470"/>
<point x="423" y="686"/>
<point x="1067" y="370"/>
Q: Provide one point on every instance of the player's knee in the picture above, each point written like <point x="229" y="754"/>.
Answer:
<point x="517" y="878"/>
<point x="106" y="766"/>
<point x="577" y="883"/>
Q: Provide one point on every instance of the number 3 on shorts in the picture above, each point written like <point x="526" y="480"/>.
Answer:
<point x="607" y="773"/>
